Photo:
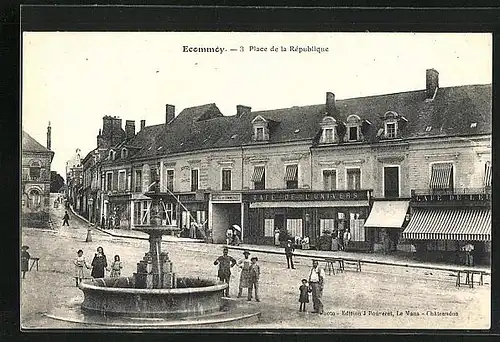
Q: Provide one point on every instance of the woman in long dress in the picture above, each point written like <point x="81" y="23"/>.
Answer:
<point x="244" y="264"/>
<point x="99" y="264"/>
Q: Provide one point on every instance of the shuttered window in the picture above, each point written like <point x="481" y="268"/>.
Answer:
<point x="441" y="176"/>
<point x="291" y="176"/>
<point x="487" y="175"/>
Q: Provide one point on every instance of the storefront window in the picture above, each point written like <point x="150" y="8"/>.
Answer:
<point x="269" y="227"/>
<point x="326" y="224"/>
<point x="294" y="227"/>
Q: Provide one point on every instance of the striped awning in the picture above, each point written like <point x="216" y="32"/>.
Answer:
<point x="441" y="176"/>
<point x="291" y="173"/>
<point x="258" y="172"/>
<point x="469" y="224"/>
<point x="487" y="175"/>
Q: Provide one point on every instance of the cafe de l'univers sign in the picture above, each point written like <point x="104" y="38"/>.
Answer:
<point x="338" y="195"/>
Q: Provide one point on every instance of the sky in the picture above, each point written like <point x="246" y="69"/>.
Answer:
<point x="73" y="79"/>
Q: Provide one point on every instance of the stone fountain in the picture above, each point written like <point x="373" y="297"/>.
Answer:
<point x="154" y="290"/>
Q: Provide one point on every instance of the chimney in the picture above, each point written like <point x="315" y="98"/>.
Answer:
<point x="49" y="141"/>
<point x="169" y="113"/>
<point x="331" y="110"/>
<point x="431" y="82"/>
<point x="130" y="128"/>
<point x="143" y="124"/>
<point x="107" y="125"/>
<point x="241" y="110"/>
<point x="99" y="139"/>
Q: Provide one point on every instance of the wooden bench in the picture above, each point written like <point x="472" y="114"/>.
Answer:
<point x="469" y="277"/>
<point x="33" y="262"/>
<point x="355" y="263"/>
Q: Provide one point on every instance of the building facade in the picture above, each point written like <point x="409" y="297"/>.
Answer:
<point x="353" y="164"/>
<point x="35" y="181"/>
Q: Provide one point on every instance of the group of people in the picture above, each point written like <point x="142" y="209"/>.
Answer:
<point x="340" y="239"/>
<point x="250" y="274"/>
<point x="249" y="277"/>
<point x="99" y="265"/>
<point x="232" y="237"/>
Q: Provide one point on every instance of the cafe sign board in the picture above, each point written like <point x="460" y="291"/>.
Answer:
<point x="452" y="198"/>
<point x="335" y="195"/>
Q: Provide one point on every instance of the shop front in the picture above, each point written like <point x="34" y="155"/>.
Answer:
<point x="225" y="211"/>
<point x="384" y="225"/>
<point x="183" y="209"/>
<point x="300" y="214"/>
<point x="441" y="226"/>
<point x="118" y="211"/>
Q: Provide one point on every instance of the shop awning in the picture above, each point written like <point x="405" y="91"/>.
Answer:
<point x="387" y="214"/>
<point x="487" y="175"/>
<point x="291" y="173"/>
<point x="258" y="172"/>
<point x="469" y="224"/>
<point x="441" y="176"/>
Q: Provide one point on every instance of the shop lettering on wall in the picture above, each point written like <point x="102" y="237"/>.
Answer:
<point x="444" y="198"/>
<point x="308" y="196"/>
<point x="226" y="197"/>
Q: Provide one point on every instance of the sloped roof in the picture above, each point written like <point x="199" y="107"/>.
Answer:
<point x="450" y="113"/>
<point x="194" y="128"/>
<point x="29" y="144"/>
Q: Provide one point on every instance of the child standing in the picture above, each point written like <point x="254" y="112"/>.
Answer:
<point x="79" y="264"/>
<point x="116" y="267"/>
<point x="253" y="281"/>
<point x="304" y="295"/>
<point x="25" y="257"/>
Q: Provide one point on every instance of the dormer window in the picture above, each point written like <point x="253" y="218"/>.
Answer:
<point x="391" y="124"/>
<point x="259" y="133"/>
<point x="328" y="126"/>
<point x="353" y="128"/>
<point x="111" y="155"/>
<point x="260" y="129"/>
<point x="328" y="135"/>
<point x="390" y="129"/>
<point x="124" y="153"/>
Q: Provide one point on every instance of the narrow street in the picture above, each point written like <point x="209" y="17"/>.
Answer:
<point x="351" y="299"/>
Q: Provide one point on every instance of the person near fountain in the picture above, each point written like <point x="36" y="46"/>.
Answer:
<point x="229" y="236"/>
<point x="25" y="258"/>
<point x="225" y="263"/>
<point x="236" y="240"/>
<point x="116" y="267"/>
<point x="244" y="264"/>
<point x="80" y="262"/>
<point x="99" y="264"/>
<point x="254" y="279"/>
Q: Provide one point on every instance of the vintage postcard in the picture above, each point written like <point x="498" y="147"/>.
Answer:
<point x="179" y="180"/>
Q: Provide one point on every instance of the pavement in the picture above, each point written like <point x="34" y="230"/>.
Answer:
<point x="430" y="296"/>
<point x="371" y="258"/>
<point x="133" y="234"/>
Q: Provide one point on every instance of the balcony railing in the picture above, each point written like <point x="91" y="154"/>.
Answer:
<point x="457" y="191"/>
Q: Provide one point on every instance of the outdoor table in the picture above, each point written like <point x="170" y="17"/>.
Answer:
<point x="469" y="277"/>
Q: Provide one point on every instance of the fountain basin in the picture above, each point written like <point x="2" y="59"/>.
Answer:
<point x="100" y="296"/>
